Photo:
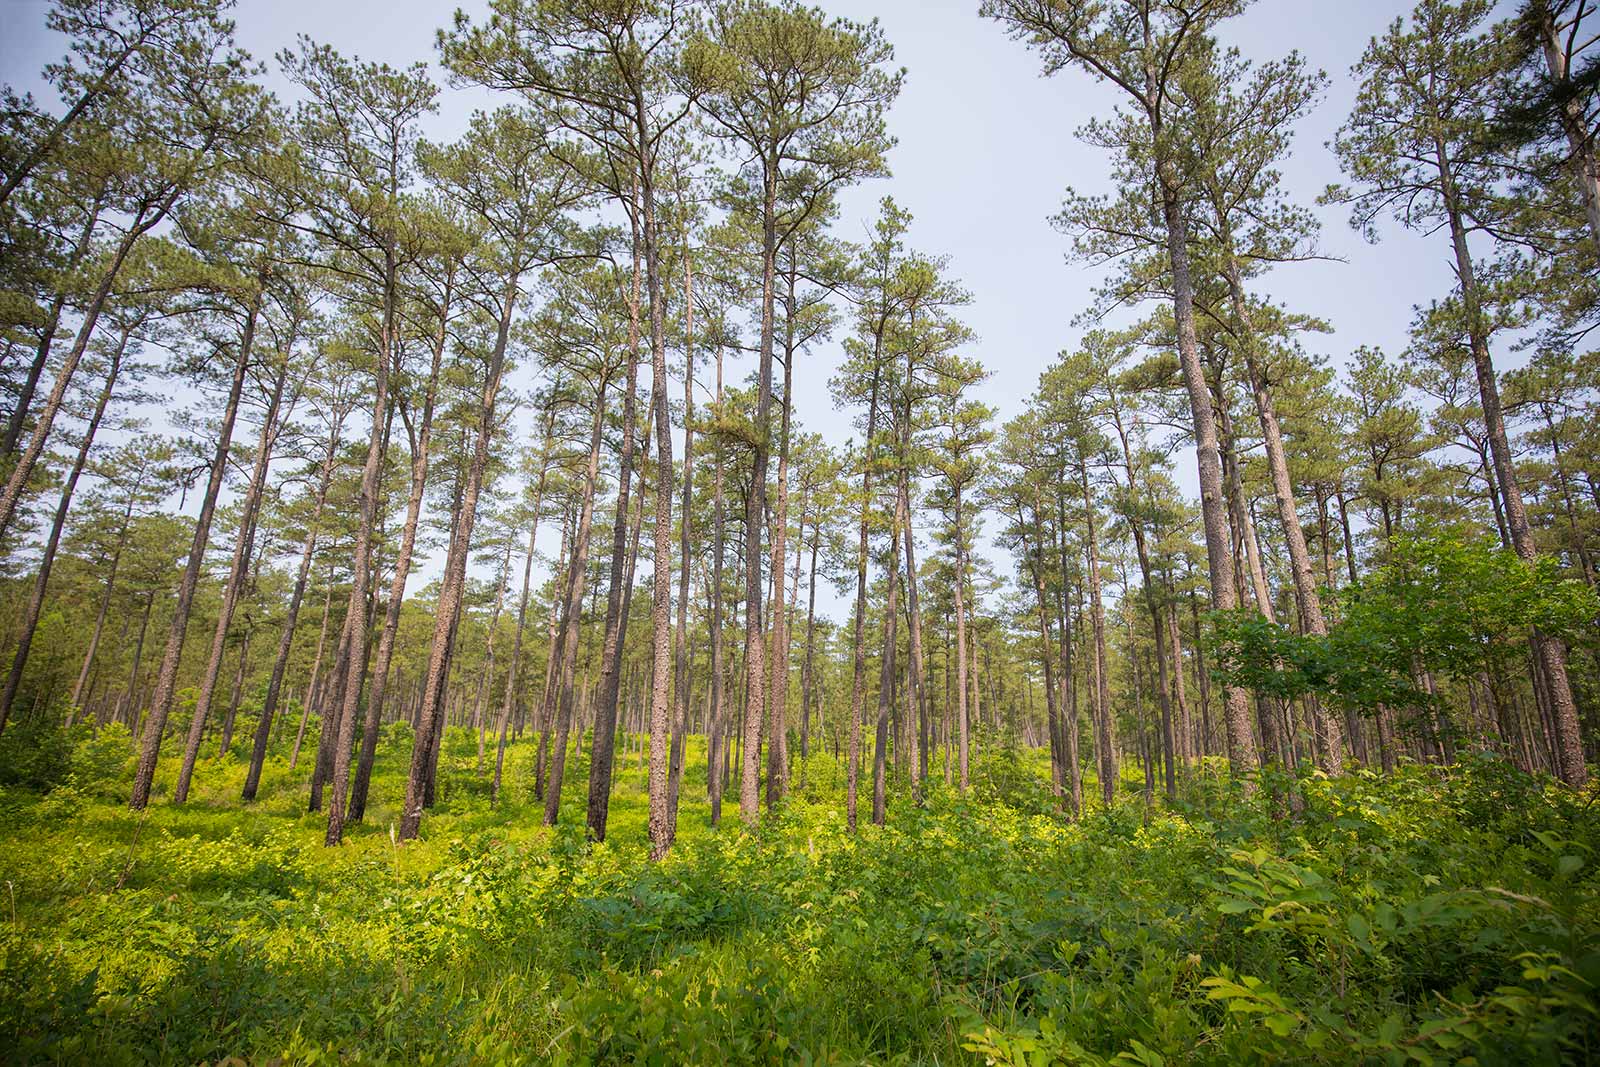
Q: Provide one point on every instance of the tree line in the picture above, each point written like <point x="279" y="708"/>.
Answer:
<point x="586" y="315"/>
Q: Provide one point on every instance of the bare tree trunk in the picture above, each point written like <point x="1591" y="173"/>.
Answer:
<point x="1213" y="509"/>
<point x="451" y="589"/>
<point x="167" y="677"/>
<point x="916" y="680"/>
<point x="683" y="658"/>
<point x="105" y="593"/>
<point x="1104" y="729"/>
<point x="859" y="636"/>
<point x="552" y="665"/>
<point x="522" y="615"/>
<point x="577" y="573"/>
<point x="755" y="514"/>
<point x="616" y="622"/>
<point x="1331" y="747"/>
<point x="961" y="639"/>
<point x="306" y="699"/>
<point x="238" y="570"/>
<point x="887" y="676"/>
<point x="778" y="660"/>
<point x="30" y="621"/>
<point x="258" y="753"/>
<point x="486" y="675"/>
<point x="1551" y="651"/>
<point x="717" y="739"/>
<point x="421" y="440"/>
<point x="1035" y="564"/>
<point x="234" y="698"/>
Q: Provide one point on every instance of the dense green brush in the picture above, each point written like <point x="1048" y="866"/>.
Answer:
<point x="1437" y="915"/>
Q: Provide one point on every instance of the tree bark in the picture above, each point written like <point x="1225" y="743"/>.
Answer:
<point x="269" y="706"/>
<point x="167" y="676"/>
<point x="238" y="569"/>
<point x="420" y="458"/>
<point x="30" y="621"/>
<point x="616" y="622"/>
<point x="451" y="590"/>
<point x="1241" y="743"/>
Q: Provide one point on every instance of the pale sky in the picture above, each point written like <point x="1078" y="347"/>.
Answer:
<point x="986" y="148"/>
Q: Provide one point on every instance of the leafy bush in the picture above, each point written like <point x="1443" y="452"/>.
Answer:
<point x="1434" y="916"/>
<point x="35" y="753"/>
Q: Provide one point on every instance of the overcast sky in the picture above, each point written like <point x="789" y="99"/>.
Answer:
<point x="985" y="150"/>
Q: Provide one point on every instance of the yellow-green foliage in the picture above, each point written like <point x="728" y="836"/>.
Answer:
<point x="1437" y="916"/>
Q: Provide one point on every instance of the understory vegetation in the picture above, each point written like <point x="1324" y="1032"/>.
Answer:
<point x="1438" y="915"/>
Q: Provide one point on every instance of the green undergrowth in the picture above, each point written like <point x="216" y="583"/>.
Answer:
<point x="1434" y="917"/>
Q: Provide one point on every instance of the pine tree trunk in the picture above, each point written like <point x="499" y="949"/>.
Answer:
<point x="452" y="587"/>
<point x="167" y="677"/>
<point x="778" y="657"/>
<point x="1104" y="728"/>
<point x="522" y="618"/>
<point x="105" y="593"/>
<point x="1213" y="508"/>
<point x="717" y="739"/>
<point x="577" y="573"/>
<point x="307" y="698"/>
<point x="269" y="706"/>
<point x="1331" y="743"/>
<point x="616" y="621"/>
<point x="1551" y="652"/>
<point x="238" y="569"/>
<point x="420" y="458"/>
<point x="888" y="674"/>
<point x="682" y="658"/>
<point x="30" y="621"/>
<point x="859" y="625"/>
<point x="142" y="222"/>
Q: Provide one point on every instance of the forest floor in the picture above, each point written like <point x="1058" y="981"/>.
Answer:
<point x="1429" y="917"/>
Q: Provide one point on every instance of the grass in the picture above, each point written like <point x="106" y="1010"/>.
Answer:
<point x="1428" y="917"/>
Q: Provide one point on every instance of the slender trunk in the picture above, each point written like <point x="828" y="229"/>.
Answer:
<point x="961" y="637"/>
<point x="105" y="593"/>
<point x="269" y="706"/>
<point x="1551" y="651"/>
<point x="450" y="598"/>
<point x="30" y="622"/>
<point x="717" y="732"/>
<point x="1241" y="744"/>
<point x="888" y="675"/>
<point x="167" y="677"/>
<point x="859" y="625"/>
<point x="420" y="457"/>
<point x="778" y="658"/>
<point x="807" y="666"/>
<point x="143" y="221"/>
<point x="616" y="622"/>
<point x="577" y="573"/>
<point x="522" y="618"/>
<point x="661" y="827"/>
<point x="1331" y="743"/>
<point x="755" y="513"/>
<point x="238" y="690"/>
<point x="1104" y="728"/>
<point x="238" y="569"/>
<point x="307" y="698"/>
<point x="682" y="658"/>
<point x="916" y="680"/>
